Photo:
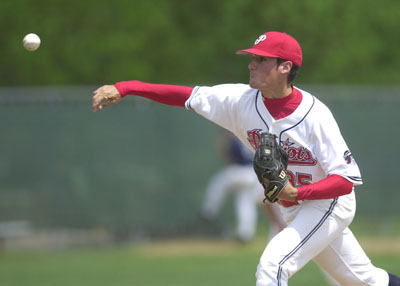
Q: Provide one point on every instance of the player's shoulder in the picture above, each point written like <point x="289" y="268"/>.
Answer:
<point x="318" y="113"/>
<point x="317" y="107"/>
<point x="229" y="89"/>
<point x="231" y="92"/>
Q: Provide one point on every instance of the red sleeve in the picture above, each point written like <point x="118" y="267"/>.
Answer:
<point x="163" y="93"/>
<point x="328" y="188"/>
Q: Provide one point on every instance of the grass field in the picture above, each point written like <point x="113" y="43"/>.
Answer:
<point x="169" y="263"/>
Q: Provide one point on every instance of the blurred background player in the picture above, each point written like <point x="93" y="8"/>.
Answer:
<point x="238" y="177"/>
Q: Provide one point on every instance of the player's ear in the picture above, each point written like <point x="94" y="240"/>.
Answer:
<point x="285" y="67"/>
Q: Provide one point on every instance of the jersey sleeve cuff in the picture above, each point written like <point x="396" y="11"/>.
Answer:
<point x="120" y="87"/>
<point x="193" y="95"/>
<point x="355" y="180"/>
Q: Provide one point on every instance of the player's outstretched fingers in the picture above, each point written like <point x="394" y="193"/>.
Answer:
<point x="97" y="99"/>
<point x="105" y="96"/>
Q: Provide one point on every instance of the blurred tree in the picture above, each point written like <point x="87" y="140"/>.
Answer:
<point x="193" y="41"/>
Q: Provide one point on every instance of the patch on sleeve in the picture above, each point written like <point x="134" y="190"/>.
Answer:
<point x="348" y="157"/>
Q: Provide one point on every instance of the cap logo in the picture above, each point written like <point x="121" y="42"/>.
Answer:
<point x="260" y="39"/>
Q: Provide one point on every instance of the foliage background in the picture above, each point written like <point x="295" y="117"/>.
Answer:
<point x="193" y="41"/>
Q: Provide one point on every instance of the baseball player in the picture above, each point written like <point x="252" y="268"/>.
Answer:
<point x="318" y="204"/>
<point x="239" y="178"/>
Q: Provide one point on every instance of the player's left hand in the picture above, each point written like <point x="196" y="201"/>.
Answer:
<point x="105" y="96"/>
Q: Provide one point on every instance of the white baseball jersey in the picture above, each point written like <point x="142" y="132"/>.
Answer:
<point x="317" y="229"/>
<point x="310" y="135"/>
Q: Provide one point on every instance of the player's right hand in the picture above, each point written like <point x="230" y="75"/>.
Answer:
<point x="289" y="193"/>
<point x="105" y="96"/>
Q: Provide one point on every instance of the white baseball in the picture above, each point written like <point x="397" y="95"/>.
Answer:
<point x="31" y="42"/>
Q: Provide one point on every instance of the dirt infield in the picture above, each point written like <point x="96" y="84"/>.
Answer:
<point x="380" y="245"/>
<point x="193" y="247"/>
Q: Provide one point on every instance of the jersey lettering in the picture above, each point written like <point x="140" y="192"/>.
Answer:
<point x="253" y="136"/>
<point x="298" y="156"/>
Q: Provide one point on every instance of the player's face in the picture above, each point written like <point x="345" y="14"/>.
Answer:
<point x="263" y="72"/>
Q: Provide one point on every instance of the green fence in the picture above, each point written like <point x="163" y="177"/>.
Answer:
<point x="143" y="167"/>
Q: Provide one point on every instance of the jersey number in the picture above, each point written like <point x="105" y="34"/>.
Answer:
<point x="300" y="179"/>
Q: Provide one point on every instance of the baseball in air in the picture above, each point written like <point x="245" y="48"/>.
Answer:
<point x="31" y="42"/>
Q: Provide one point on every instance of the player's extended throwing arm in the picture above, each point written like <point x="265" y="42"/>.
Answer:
<point x="175" y="95"/>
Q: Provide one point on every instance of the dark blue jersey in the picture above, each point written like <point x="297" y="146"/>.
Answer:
<point x="239" y="153"/>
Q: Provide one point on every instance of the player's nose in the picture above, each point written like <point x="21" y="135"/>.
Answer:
<point x="251" y="65"/>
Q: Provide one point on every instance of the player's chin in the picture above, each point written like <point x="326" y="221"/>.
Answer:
<point x="252" y="84"/>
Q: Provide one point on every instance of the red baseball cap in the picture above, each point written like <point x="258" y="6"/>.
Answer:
<point x="276" y="45"/>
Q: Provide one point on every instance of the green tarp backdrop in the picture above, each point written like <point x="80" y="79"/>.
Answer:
<point x="143" y="166"/>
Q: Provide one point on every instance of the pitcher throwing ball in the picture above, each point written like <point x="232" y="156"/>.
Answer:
<point x="318" y="201"/>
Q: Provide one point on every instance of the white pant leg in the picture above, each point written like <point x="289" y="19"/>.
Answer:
<point x="246" y="203"/>
<point x="329" y="279"/>
<point x="218" y="186"/>
<point x="345" y="260"/>
<point x="276" y="223"/>
<point x="234" y="178"/>
<point x="312" y="226"/>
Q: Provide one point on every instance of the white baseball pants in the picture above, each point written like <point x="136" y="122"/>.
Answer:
<point x="318" y="230"/>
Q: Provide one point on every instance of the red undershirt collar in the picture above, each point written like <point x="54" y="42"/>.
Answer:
<point x="282" y="107"/>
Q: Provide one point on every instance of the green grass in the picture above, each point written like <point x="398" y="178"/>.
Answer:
<point x="172" y="263"/>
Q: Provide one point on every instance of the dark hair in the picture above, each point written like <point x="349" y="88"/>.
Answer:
<point x="293" y="71"/>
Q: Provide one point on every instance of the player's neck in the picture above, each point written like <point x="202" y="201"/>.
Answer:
<point x="277" y="93"/>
